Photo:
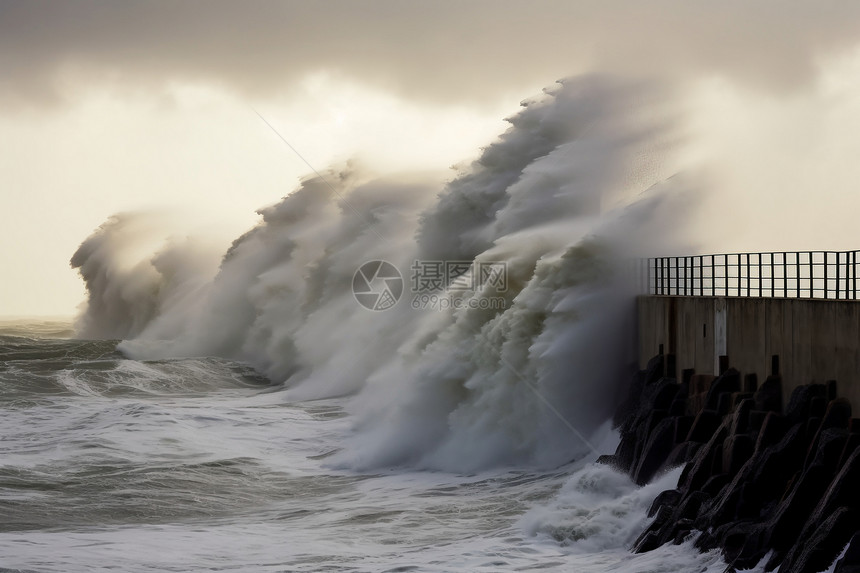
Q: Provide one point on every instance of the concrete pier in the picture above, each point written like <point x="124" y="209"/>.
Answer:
<point x="813" y="340"/>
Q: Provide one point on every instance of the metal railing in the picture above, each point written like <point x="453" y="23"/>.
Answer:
<point x="791" y="274"/>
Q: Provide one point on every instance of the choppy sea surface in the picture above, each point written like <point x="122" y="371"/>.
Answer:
<point x="112" y="464"/>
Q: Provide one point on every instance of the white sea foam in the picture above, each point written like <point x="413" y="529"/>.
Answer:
<point x="580" y="185"/>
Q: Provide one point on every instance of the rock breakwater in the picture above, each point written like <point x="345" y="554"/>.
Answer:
<point x="761" y="479"/>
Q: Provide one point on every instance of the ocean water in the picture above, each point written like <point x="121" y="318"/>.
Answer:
<point x="114" y="464"/>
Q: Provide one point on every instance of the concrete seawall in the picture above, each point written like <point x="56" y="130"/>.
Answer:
<point x="814" y="340"/>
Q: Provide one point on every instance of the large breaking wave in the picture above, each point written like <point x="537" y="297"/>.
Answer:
<point x="581" y="184"/>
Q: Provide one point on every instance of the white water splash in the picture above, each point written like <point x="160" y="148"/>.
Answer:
<point x="576" y="188"/>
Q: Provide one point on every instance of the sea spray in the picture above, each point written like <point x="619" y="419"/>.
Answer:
<point x="577" y="188"/>
<point x="128" y="286"/>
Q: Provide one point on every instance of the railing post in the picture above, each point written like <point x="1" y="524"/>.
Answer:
<point x="854" y="274"/>
<point x="837" y="275"/>
<point x="666" y="276"/>
<point x="797" y="280"/>
<point x="663" y="272"/>
<point x="772" y="274"/>
<point x="677" y="292"/>
<point x="713" y="275"/>
<point x="688" y="275"/>
<point x="701" y="277"/>
<point x="760" y="282"/>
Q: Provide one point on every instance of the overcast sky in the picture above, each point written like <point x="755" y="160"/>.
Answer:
<point x="113" y="106"/>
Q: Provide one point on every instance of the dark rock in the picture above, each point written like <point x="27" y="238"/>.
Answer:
<point x="681" y="454"/>
<point x="723" y="508"/>
<point x="657" y="449"/>
<point x="683" y="529"/>
<point x="704" y="426"/>
<point x="769" y="395"/>
<point x="654" y="417"/>
<point x="851" y="445"/>
<point x="737" y="449"/>
<point x="635" y="440"/>
<point x="791" y="514"/>
<point x="740" y="421"/>
<point x="697" y="472"/>
<point x="668" y="498"/>
<point x="831" y="390"/>
<point x="817" y="407"/>
<point x="842" y="491"/>
<point x="812" y="425"/>
<point x="698" y="393"/>
<point x="678" y="407"/>
<point x="760" y="482"/>
<point x="756" y="482"/>
<point x="715" y="484"/>
<point x="742" y="545"/>
<point x="773" y="467"/>
<point x="772" y="430"/>
<point x="821" y="547"/>
<point x="826" y="449"/>
<point x="607" y="460"/>
<point x="663" y="395"/>
<point x="650" y="538"/>
<point x="691" y="505"/>
<point x="756" y="420"/>
<point x="738" y="397"/>
<point x="717" y="461"/>
<point x="750" y="383"/>
<point x="749" y="503"/>
<point x="725" y="402"/>
<point x="645" y="397"/>
<point x="706" y="541"/>
<point x="649" y="541"/>
<point x="682" y="428"/>
<point x="625" y="453"/>
<point x="838" y="414"/>
<point x="728" y="382"/>
<point x="655" y="369"/>
<point x="798" y="405"/>
<point x="850" y="562"/>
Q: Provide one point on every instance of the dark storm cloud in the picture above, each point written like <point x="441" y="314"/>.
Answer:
<point x="436" y="51"/>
